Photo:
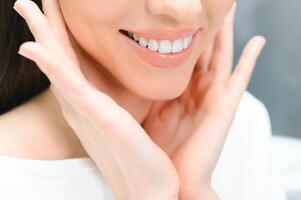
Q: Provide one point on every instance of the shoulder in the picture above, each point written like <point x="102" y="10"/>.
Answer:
<point x="251" y="108"/>
<point x="249" y="133"/>
<point x="252" y="102"/>
<point x="246" y="159"/>
<point x="252" y="118"/>
<point x="251" y="125"/>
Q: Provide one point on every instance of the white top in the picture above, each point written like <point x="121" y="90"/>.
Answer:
<point x="244" y="172"/>
<point x="287" y="157"/>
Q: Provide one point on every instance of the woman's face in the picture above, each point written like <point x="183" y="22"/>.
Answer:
<point x="162" y="69"/>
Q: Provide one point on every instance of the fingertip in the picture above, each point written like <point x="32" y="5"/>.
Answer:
<point x="262" y="42"/>
<point x="19" y="2"/>
<point x="29" y="49"/>
<point x="24" y="47"/>
<point x="260" y="39"/>
<point x="234" y="6"/>
<point x="27" y="43"/>
<point x="16" y="6"/>
<point x="16" y="3"/>
<point x="255" y="44"/>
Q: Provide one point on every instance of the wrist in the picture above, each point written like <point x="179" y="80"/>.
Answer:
<point x="164" y="195"/>
<point x="156" y="197"/>
<point x="199" y="193"/>
<point x="150" y="193"/>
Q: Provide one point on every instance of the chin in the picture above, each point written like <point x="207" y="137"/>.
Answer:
<point x="160" y="95"/>
<point x="163" y="88"/>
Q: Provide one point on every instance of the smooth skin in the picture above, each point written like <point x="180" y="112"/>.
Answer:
<point x="173" y="153"/>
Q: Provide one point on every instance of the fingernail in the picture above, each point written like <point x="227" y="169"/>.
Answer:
<point x="18" y="2"/>
<point x="21" y="1"/>
<point x="263" y="39"/>
<point x="15" y="7"/>
<point x="23" y="52"/>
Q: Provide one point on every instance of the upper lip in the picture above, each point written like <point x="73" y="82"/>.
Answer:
<point x="165" y="33"/>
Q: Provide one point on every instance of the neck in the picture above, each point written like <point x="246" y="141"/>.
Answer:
<point x="105" y="82"/>
<point x="49" y="127"/>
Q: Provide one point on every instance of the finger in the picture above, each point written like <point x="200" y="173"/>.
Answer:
<point x="53" y="13"/>
<point x="35" y="19"/>
<point x="64" y="77"/>
<point x="242" y="74"/>
<point x="38" y="24"/>
<point x="67" y="81"/>
<point x="155" y="109"/>
<point x="222" y="58"/>
<point x="57" y="23"/>
<point x="69" y="84"/>
<point x="204" y="60"/>
<point x="168" y="117"/>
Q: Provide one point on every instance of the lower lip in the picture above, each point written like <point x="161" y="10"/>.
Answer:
<point x="170" y="60"/>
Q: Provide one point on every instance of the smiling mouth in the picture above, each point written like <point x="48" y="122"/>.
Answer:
<point x="161" y="48"/>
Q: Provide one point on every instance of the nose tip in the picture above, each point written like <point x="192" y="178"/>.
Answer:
<point x="179" y="10"/>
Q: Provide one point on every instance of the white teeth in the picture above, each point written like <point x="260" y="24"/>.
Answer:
<point x="165" y="46"/>
<point x="187" y="41"/>
<point x="136" y="38"/>
<point x="162" y="46"/>
<point x="177" y="46"/>
<point x="153" y="45"/>
<point x="190" y="40"/>
<point x="143" y="42"/>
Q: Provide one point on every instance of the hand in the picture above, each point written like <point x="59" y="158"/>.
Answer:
<point x="121" y="149"/>
<point x="192" y="128"/>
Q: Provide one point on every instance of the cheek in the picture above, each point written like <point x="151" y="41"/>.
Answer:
<point x="95" y="25"/>
<point x="94" y="22"/>
<point x="97" y="11"/>
<point x="216" y="10"/>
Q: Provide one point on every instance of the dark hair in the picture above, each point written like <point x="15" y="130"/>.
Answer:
<point x="20" y="78"/>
